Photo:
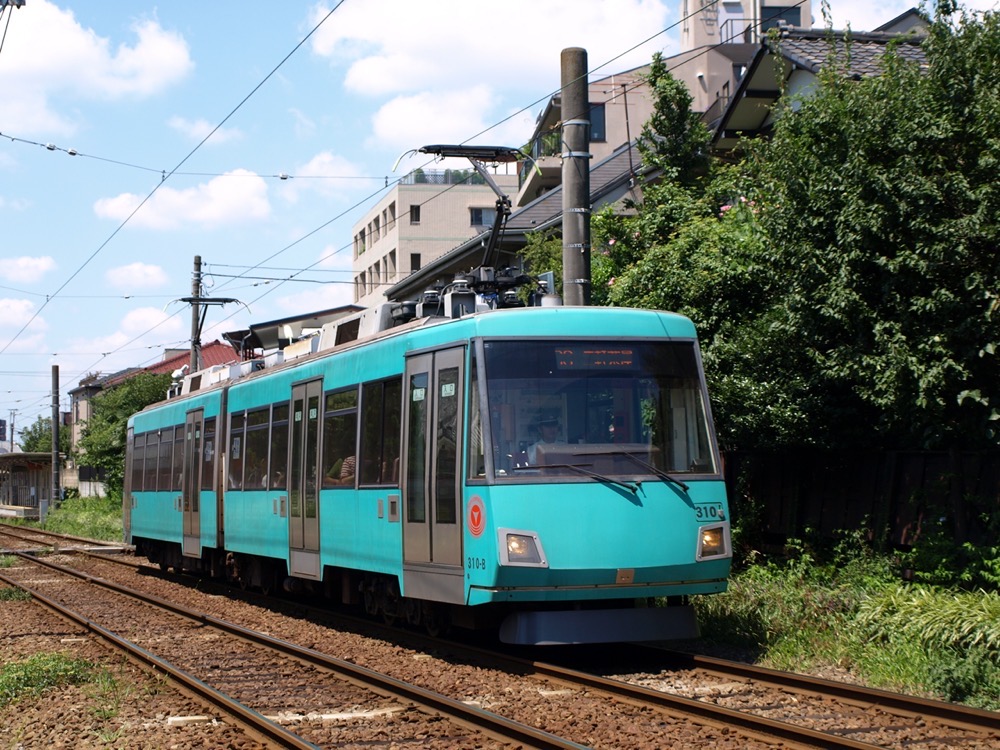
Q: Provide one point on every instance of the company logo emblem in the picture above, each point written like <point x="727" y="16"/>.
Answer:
<point x="477" y="516"/>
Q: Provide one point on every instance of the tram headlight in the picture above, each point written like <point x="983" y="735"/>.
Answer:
<point x="713" y="542"/>
<point x="519" y="547"/>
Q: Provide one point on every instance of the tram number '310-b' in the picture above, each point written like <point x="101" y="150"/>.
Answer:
<point x="709" y="512"/>
<point x="475" y="563"/>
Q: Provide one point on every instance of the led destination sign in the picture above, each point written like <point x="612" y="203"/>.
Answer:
<point x="595" y="358"/>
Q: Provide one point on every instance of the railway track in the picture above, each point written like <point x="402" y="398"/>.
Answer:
<point x="720" y="697"/>
<point x="264" y="683"/>
<point x="649" y="716"/>
<point x="20" y="538"/>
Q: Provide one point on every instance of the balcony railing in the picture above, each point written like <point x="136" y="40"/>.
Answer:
<point x="442" y="177"/>
<point x="738" y="31"/>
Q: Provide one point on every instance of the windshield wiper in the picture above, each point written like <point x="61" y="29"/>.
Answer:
<point x="649" y="467"/>
<point x="581" y="469"/>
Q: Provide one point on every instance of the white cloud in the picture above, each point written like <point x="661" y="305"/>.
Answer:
<point x="408" y="122"/>
<point x="140" y="320"/>
<point x="864" y="15"/>
<point x="14" y="313"/>
<point x="414" y="46"/>
<point x="196" y="130"/>
<point x="25" y="270"/>
<point x="136" y="276"/>
<point x="328" y="174"/>
<point x="322" y="297"/>
<point x="140" y="327"/>
<point x="236" y="196"/>
<point x="47" y="54"/>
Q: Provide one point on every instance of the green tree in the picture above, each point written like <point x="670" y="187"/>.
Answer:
<point x="37" y="438"/>
<point x="102" y="443"/>
<point x="674" y="140"/>
<point x="881" y="208"/>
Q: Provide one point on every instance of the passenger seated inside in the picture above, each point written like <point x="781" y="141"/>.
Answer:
<point x="341" y="473"/>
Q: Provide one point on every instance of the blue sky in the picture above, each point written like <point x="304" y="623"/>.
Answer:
<point x="89" y="278"/>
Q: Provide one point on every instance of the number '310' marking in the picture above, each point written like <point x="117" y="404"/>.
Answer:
<point x="712" y="512"/>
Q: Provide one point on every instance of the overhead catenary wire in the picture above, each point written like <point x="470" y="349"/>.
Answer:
<point x="191" y="153"/>
<point x="277" y="282"/>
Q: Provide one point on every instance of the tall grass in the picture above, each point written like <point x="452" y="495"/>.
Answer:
<point x="91" y="517"/>
<point x="850" y="609"/>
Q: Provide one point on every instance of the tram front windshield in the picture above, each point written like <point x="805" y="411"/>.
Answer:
<point x="583" y="407"/>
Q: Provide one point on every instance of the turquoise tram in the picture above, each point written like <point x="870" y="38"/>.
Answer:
<point x="550" y="472"/>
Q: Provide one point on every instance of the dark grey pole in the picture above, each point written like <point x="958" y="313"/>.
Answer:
<point x="55" y="443"/>
<point x="195" y="312"/>
<point x="575" y="107"/>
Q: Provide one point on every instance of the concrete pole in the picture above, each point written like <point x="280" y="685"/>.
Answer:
<point x="195" y="312"/>
<point x="55" y="494"/>
<point x="575" y="107"/>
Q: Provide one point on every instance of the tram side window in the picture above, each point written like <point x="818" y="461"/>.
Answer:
<point x="236" y="422"/>
<point x="416" y="452"/>
<point x="208" y="456"/>
<point x="277" y="472"/>
<point x="381" y="407"/>
<point x="255" y="475"/>
<point x="477" y="451"/>
<point x="177" y="469"/>
<point x="149" y="465"/>
<point x="340" y="427"/>
<point x="164" y="460"/>
<point x="138" y="457"/>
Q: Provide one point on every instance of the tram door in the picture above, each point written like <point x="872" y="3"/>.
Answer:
<point x="304" y="480"/>
<point x="431" y="487"/>
<point x="194" y="428"/>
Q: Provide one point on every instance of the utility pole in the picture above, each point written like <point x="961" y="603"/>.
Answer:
<point x="199" y="309"/>
<point x="195" y="316"/>
<point x="576" y="156"/>
<point x="55" y="493"/>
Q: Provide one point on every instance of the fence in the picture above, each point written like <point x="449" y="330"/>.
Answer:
<point x="788" y="494"/>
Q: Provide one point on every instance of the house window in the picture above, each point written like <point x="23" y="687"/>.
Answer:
<point x="771" y="14"/>
<point x="479" y="217"/>
<point x="598" y="127"/>
<point x="415" y="214"/>
<point x="414" y="262"/>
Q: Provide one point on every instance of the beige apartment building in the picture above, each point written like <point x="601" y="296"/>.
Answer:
<point x="428" y="213"/>
<point x="718" y="40"/>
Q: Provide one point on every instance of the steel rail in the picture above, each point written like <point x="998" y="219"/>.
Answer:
<point x="752" y="724"/>
<point x="960" y="716"/>
<point x="480" y="719"/>
<point x="246" y="717"/>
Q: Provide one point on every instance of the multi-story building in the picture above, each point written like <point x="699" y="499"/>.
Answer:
<point x="425" y="215"/>
<point x="618" y="107"/>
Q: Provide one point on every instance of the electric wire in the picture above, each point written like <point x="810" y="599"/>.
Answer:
<point x="293" y="277"/>
<point x="191" y="153"/>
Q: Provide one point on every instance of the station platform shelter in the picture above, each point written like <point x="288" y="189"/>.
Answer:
<point x="25" y="484"/>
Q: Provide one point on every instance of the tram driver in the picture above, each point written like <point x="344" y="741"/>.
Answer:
<point x="548" y="427"/>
